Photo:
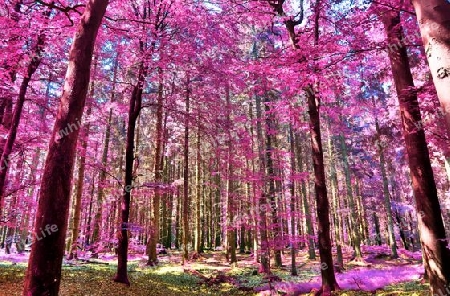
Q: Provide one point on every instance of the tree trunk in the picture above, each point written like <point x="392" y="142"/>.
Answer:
<point x="177" y="219"/>
<point x="431" y="227"/>
<point x="335" y="195"/>
<point x="133" y="114"/>
<point x="186" y="178"/>
<point x="323" y="217"/>
<point x="231" y="248"/>
<point x="376" y="223"/>
<point x="305" y="203"/>
<point x="265" y="249"/>
<point x="96" y="237"/>
<point x="433" y="17"/>
<point x="271" y="180"/>
<point x="77" y="211"/>
<point x="43" y="275"/>
<point x="154" y="228"/>
<point x="198" y="195"/>
<point x="292" y="203"/>
<point x="6" y="150"/>
<point x="387" y="198"/>
<point x="355" y="233"/>
<point x="253" y="210"/>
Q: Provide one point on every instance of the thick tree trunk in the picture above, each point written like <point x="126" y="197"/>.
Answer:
<point x="431" y="227"/>
<point x="433" y="17"/>
<point x="43" y="276"/>
<point x="2" y="109"/>
<point x="80" y="182"/>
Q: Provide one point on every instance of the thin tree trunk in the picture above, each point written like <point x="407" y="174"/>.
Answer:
<point x="198" y="194"/>
<point x="376" y="223"/>
<point x="96" y="237"/>
<point x="305" y="203"/>
<point x="355" y="233"/>
<point x="335" y="195"/>
<point x="323" y="216"/>
<point x="186" y="178"/>
<point x="255" y="201"/>
<point x="271" y="180"/>
<point x="6" y="150"/>
<point x="265" y="249"/>
<point x="231" y="249"/>
<point x="133" y="114"/>
<point x="292" y="203"/>
<point x="177" y="219"/>
<point x="154" y="228"/>
<point x="387" y="198"/>
<point x="77" y="211"/>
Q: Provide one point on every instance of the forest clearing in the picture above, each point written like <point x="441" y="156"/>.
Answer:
<point x="224" y="147"/>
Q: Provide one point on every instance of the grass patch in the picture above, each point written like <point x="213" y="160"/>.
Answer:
<point x="169" y="279"/>
<point x="413" y="288"/>
<point x="93" y="279"/>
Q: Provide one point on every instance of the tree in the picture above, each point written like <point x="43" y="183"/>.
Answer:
<point x="431" y="227"/>
<point x="7" y="149"/>
<point x="133" y="114"/>
<point x="433" y="17"/>
<point x="44" y="268"/>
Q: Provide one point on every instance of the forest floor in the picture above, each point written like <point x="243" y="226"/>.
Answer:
<point x="210" y="274"/>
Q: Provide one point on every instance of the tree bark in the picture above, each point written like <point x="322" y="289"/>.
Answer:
<point x="335" y="196"/>
<point x="186" y="178"/>
<point x="355" y="230"/>
<point x="323" y="216"/>
<point x="265" y="248"/>
<point x="305" y="203"/>
<point x="271" y="182"/>
<point x="387" y="198"/>
<point x="433" y="17"/>
<point x="431" y="227"/>
<point x="231" y="233"/>
<point x="198" y="194"/>
<point x="133" y="114"/>
<point x="96" y="235"/>
<point x="43" y="275"/>
<point x="154" y="228"/>
<point x="292" y="202"/>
